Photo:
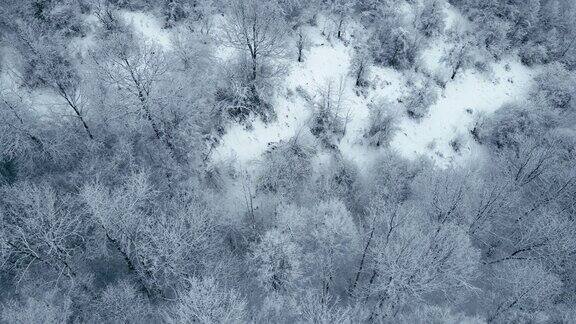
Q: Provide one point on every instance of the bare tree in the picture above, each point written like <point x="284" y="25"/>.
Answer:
<point x="136" y="71"/>
<point x="39" y="229"/>
<point x="342" y="10"/>
<point x="360" y="65"/>
<point x="48" y="64"/>
<point x="460" y="55"/>
<point x="302" y="42"/>
<point x="207" y="302"/>
<point x="160" y="247"/>
<point x="256" y="28"/>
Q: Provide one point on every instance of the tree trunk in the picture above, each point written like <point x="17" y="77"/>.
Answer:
<point x="300" y="46"/>
<point x="74" y="107"/>
<point x="159" y="134"/>
<point x="361" y="265"/>
<point x="254" y="68"/>
<point x="455" y="71"/>
<point x="359" y="75"/>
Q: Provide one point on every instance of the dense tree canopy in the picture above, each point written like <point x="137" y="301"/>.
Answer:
<point x="118" y="205"/>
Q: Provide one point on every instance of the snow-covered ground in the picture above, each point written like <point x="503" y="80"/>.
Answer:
<point x="148" y="26"/>
<point x="327" y="61"/>
<point x="453" y="114"/>
<point x="323" y="64"/>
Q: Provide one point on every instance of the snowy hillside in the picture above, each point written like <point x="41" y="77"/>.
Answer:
<point x="328" y="61"/>
<point x="288" y="161"/>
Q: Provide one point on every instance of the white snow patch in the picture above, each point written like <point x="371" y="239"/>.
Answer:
<point x="454" y="18"/>
<point x="323" y="63"/>
<point x="328" y="61"/>
<point x="247" y="145"/>
<point x="453" y="115"/>
<point x="148" y="26"/>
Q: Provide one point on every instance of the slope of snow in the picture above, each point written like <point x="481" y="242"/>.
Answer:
<point x="328" y="61"/>
<point x="148" y="26"/>
<point x="323" y="64"/>
<point x="247" y="145"/>
<point x="453" y="114"/>
<point x="470" y="94"/>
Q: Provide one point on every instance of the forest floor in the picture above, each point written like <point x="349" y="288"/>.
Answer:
<point x="327" y="62"/>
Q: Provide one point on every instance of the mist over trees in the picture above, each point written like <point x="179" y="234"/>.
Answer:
<point x="117" y="206"/>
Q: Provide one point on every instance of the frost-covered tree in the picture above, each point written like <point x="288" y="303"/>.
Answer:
<point x="391" y="178"/>
<point x="257" y="29"/>
<point x="430" y="17"/>
<point x="20" y="130"/>
<point x="193" y="50"/>
<point x="341" y="11"/>
<point x="259" y="33"/>
<point x="298" y="12"/>
<point x="302" y="43"/>
<point x="383" y="123"/>
<point x="419" y="99"/>
<point x="555" y="88"/>
<point x="522" y="291"/>
<point x="122" y="302"/>
<point x="276" y="262"/>
<point x="151" y="87"/>
<point x="207" y="302"/>
<point x="460" y="55"/>
<point x="41" y="231"/>
<point x="285" y="170"/>
<point x="524" y="17"/>
<point x="511" y="125"/>
<point x="414" y="255"/>
<point x="48" y="307"/>
<point x="161" y="248"/>
<point x="360" y="65"/>
<point x="395" y="46"/>
<point x="328" y="122"/>
<point x="372" y="11"/>
<point x="540" y="26"/>
<point x="174" y="11"/>
<point x="339" y="179"/>
<point x="316" y="307"/>
<point x="120" y="200"/>
<point x="135" y="70"/>
<point x="438" y="314"/>
<point x="329" y="242"/>
<point x="109" y="17"/>
<point x="47" y="63"/>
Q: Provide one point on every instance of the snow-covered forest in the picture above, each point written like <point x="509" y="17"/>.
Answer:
<point x="288" y="161"/>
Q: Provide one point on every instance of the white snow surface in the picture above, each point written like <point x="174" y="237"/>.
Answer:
<point x="148" y="26"/>
<point x="453" y="114"/>
<point x="470" y="94"/>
